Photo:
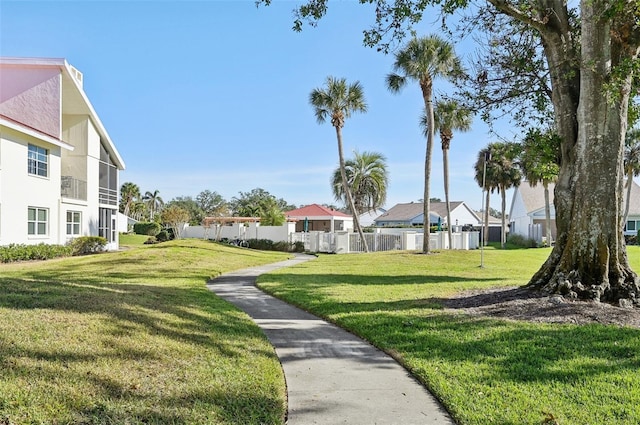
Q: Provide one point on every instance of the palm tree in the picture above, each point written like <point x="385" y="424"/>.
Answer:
<point x="337" y="101"/>
<point x="423" y="60"/>
<point x="154" y="202"/>
<point x="540" y="164"/>
<point x="129" y="193"/>
<point x="631" y="164"/>
<point x="366" y="177"/>
<point x="448" y="116"/>
<point x="502" y="173"/>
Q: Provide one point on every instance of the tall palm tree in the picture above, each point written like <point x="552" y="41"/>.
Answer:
<point x="367" y="178"/>
<point x="631" y="164"/>
<point x="448" y="116"/>
<point x="423" y="60"/>
<point x="129" y="193"/>
<point x="154" y="203"/>
<point x="337" y="100"/>
<point x="502" y="173"/>
<point x="540" y="164"/>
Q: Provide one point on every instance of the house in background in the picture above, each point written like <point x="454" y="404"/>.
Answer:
<point x="315" y="217"/>
<point x="527" y="216"/>
<point x="411" y="214"/>
<point x="58" y="165"/>
<point x="368" y="218"/>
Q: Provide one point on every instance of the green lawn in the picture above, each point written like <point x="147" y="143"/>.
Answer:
<point x="134" y="337"/>
<point x="128" y="240"/>
<point x="485" y="371"/>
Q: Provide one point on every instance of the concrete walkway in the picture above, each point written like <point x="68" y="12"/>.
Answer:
<point x="332" y="376"/>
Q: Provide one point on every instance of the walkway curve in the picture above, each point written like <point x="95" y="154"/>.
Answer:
<point x="332" y="376"/>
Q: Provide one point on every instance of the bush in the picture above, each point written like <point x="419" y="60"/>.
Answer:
<point x="22" y="252"/>
<point x="152" y="240"/>
<point x="88" y="245"/>
<point x="519" y="240"/>
<point x="269" y="245"/>
<point x="147" y="228"/>
<point x="631" y="239"/>
<point x="163" y="236"/>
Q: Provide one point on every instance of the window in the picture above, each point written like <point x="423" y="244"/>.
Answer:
<point x="38" y="161"/>
<point x="38" y="221"/>
<point x="631" y="225"/>
<point x="73" y="223"/>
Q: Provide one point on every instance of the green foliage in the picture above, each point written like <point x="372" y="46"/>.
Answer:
<point x="273" y="216"/>
<point x="269" y="245"/>
<point x="147" y="228"/>
<point x="22" y="252"/>
<point x="186" y="203"/>
<point x="540" y="156"/>
<point x="88" y="245"/>
<point x="367" y="178"/>
<point x="212" y="204"/>
<point x="255" y="203"/>
<point x="163" y="236"/>
<point x="521" y="241"/>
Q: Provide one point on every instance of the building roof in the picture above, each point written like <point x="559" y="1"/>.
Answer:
<point x="403" y="212"/>
<point x="411" y="210"/>
<point x="533" y="196"/>
<point x="315" y="210"/>
<point x="74" y="99"/>
<point x="634" y="205"/>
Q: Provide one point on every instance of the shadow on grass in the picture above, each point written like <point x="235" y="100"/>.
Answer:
<point x="419" y="329"/>
<point x="127" y="319"/>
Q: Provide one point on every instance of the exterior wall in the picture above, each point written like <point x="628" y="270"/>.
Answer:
<point x="461" y="216"/>
<point x="19" y="190"/>
<point x="32" y="108"/>
<point x="31" y="96"/>
<point x="519" y="220"/>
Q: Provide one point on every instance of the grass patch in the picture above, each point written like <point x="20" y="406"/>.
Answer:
<point x="485" y="371"/>
<point x="131" y="239"/>
<point x="134" y="337"/>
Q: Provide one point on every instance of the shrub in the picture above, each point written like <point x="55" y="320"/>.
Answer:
<point x="22" y="252"/>
<point x="269" y="245"/>
<point x="519" y="240"/>
<point x="88" y="245"/>
<point x="631" y="239"/>
<point x="152" y="240"/>
<point x="163" y="236"/>
<point x="147" y="228"/>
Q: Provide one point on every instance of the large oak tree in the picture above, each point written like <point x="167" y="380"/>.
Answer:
<point x="591" y="53"/>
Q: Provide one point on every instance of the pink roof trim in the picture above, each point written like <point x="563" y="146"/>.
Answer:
<point x="315" y="210"/>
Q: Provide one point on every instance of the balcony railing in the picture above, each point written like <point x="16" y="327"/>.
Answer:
<point x="73" y="188"/>
<point x="108" y="196"/>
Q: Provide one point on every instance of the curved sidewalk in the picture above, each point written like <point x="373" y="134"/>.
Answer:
<point x="332" y="376"/>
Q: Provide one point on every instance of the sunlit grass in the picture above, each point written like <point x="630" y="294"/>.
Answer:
<point x="485" y="371"/>
<point x="134" y="337"/>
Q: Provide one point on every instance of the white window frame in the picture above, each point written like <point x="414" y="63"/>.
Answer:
<point x="38" y="226"/>
<point x="38" y="161"/>
<point x="74" y="223"/>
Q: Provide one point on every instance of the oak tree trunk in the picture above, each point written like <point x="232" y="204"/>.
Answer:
<point x="589" y="260"/>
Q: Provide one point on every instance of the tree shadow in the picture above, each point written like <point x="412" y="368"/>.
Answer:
<point x="130" y="317"/>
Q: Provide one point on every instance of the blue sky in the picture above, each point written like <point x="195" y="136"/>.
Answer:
<point x="213" y="95"/>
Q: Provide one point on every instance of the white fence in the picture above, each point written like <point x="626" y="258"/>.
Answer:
<point x="239" y="230"/>
<point x="343" y="242"/>
<point x="383" y="239"/>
